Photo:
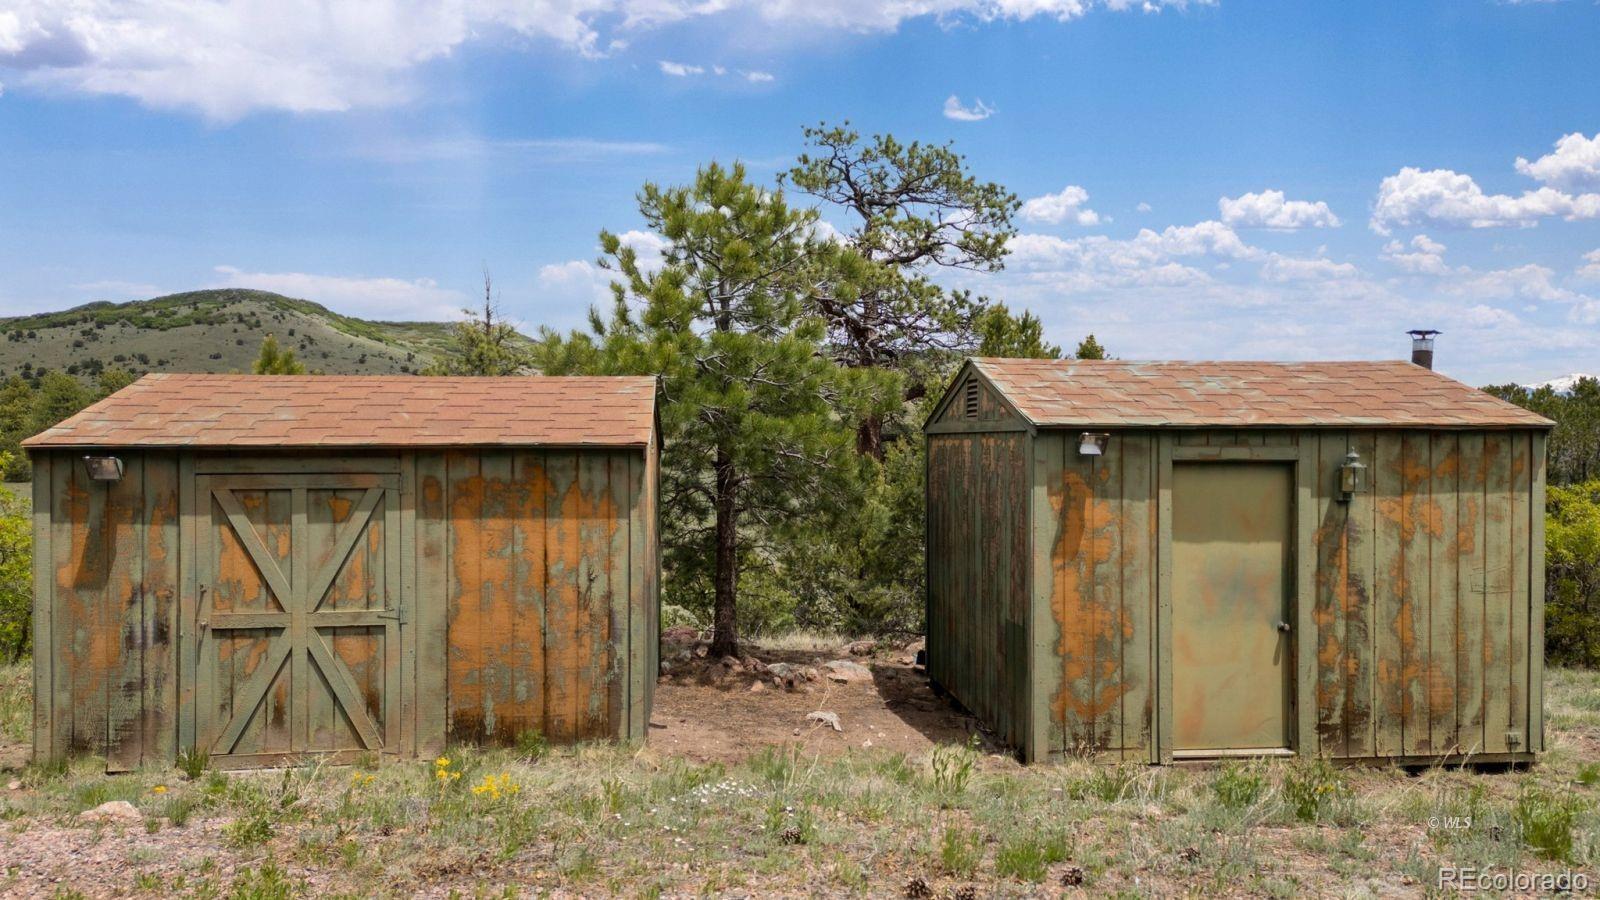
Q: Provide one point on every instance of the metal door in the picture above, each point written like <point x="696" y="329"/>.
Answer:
<point x="1231" y="587"/>
<point x="299" y="615"/>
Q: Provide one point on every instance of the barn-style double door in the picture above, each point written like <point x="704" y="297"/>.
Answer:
<point x="299" y="615"/>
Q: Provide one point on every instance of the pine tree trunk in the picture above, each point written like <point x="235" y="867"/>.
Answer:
<point x="869" y="437"/>
<point x="725" y="623"/>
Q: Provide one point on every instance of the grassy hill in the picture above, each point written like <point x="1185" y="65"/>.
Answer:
<point x="211" y="331"/>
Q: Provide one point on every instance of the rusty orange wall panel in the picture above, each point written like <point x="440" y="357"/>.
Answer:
<point x="106" y="673"/>
<point x="1096" y="580"/>
<point x="545" y="628"/>
<point x="1418" y="598"/>
<point x="525" y="581"/>
<point x="1424" y="592"/>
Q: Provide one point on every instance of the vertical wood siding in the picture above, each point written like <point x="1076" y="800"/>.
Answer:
<point x="978" y="569"/>
<point x="1425" y="594"/>
<point x="529" y="578"/>
<point x="107" y="665"/>
<point x="550" y="592"/>
<point x="1096" y="576"/>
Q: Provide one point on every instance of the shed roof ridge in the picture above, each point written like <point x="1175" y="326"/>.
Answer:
<point x="1241" y="393"/>
<point x="308" y="411"/>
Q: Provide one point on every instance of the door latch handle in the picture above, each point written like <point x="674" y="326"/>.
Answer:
<point x="394" y="614"/>
<point x="1284" y="627"/>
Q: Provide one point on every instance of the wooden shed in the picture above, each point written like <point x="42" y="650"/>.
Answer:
<point x="1157" y="561"/>
<point x="270" y="568"/>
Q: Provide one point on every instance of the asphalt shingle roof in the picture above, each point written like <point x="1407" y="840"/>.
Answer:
<point x="308" y="411"/>
<point x="1387" y="393"/>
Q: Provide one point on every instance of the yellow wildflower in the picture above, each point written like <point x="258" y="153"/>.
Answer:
<point x="496" y="786"/>
<point x="159" y="789"/>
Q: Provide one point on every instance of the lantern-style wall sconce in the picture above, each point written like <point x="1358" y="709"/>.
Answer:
<point x="103" y="468"/>
<point x="1093" y="443"/>
<point x="1352" y="477"/>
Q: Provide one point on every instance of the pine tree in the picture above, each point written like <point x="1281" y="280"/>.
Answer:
<point x="274" y="360"/>
<point x="16" y="423"/>
<point x="484" y="343"/>
<point x="113" y="380"/>
<point x="754" y="414"/>
<point x="1018" y="337"/>
<point x="1089" y="348"/>
<point x="59" y="396"/>
<point x="911" y="208"/>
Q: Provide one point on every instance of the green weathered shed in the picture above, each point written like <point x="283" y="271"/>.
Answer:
<point x="1157" y="561"/>
<point x="271" y="568"/>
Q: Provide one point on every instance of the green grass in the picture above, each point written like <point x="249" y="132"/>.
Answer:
<point x="602" y="820"/>
<point x="16" y="701"/>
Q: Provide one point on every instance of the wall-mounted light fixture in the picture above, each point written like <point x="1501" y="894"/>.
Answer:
<point x="103" y="468"/>
<point x="1352" y="476"/>
<point x="1093" y="443"/>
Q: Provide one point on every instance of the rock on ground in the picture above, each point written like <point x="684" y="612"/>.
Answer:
<point x="844" y="670"/>
<point x="113" y="811"/>
<point x="826" y="718"/>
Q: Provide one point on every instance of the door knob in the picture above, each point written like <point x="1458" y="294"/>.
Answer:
<point x="1283" y="627"/>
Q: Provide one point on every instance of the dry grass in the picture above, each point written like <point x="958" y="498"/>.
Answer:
<point x="820" y="642"/>
<point x="603" y="820"/>
<point x="16" y="702"/>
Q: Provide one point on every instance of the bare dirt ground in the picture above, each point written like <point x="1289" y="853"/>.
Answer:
<point x="708" y="711"/>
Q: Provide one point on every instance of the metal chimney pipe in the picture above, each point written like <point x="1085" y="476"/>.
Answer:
<point x="1422" y="346"/>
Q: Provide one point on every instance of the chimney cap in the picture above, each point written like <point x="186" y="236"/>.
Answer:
<point x="1423" y="333"/>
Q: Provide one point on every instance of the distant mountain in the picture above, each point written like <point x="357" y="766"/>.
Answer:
<point x="1562" y="385"/>
<point x="212" y="331"/>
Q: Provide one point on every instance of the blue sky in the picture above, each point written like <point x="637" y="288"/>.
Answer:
<point x="1228" y="179"/>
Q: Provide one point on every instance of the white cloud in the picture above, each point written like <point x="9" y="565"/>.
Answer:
<point x="565" y="290"/>
<point x="687" y="70"/>
<point x="1590" y="270"/>
<point x="1525" y="282"/>
<point x="1574" y="166"/>
<point x="1481" y="316"/>
<point x="1441" y="197"/>
<point x="227" y="58"/>
<point x="390" y="299"/>
<point x="1143" y="207"/>
<point x="825" y="230"/>
<point x="647" y="246"/>
<point x="576" y="282"/>
<point x="1166" y="258"/>
<point x="1068" y="203"/>
<point x="1424" y="256"/>
<point x="977" y="112"/>
<point x="1288" y="268"/>
<point x="1269" y="209"/>
<point x="1202" y="292"/>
